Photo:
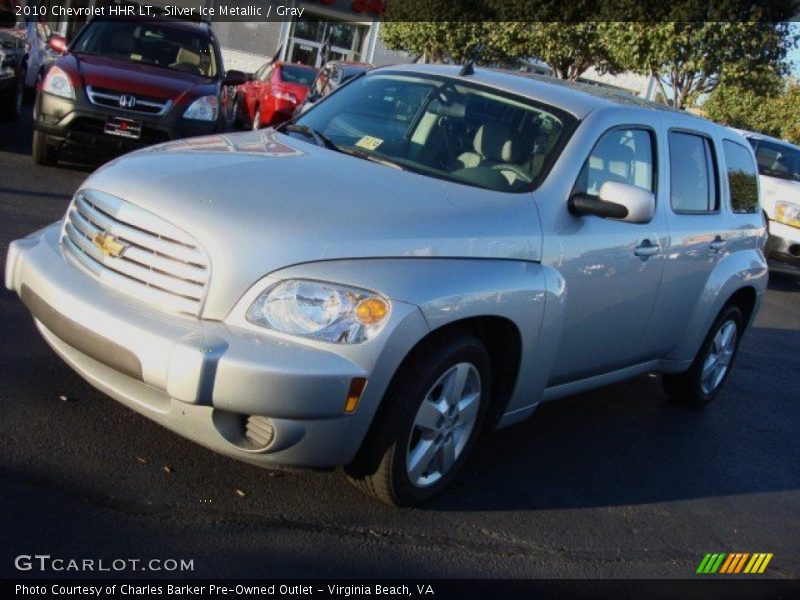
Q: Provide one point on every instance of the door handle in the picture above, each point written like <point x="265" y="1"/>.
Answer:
<point x="717" y="245"/>
<point x="646" y="249"/>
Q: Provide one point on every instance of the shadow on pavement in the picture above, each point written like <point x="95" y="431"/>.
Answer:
<point x="625" y="444"/>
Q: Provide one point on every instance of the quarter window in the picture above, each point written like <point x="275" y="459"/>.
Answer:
<point x="621" y="155"/>
<point x="741" y="178"/>
<point x="693" y="183"/>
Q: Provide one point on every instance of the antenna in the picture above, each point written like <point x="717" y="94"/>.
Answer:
<point x="467" y="69"/>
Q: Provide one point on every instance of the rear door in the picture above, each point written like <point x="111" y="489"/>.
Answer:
<point x="699" y="232"/>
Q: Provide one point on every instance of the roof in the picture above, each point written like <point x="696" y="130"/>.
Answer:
<point x="577" y="98"/>
<point x="280" y="63"/>
<point x="166" y="21"/>
<point x="768" y="138"/>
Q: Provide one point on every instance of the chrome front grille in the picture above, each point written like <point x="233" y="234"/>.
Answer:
<point x="127" y="102"/>
<point x="136" y="252"/>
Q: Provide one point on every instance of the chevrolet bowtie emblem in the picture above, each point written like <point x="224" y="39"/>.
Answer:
<point x="108" y="245"/>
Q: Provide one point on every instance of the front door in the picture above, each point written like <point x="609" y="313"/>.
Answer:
<point x="612" y="269"/>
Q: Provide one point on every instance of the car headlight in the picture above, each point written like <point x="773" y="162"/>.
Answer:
<point x="58" y="83"/>
<point x="787" y="213"/>
<point x="320" y="310"/>
<point x="205" y="108"/>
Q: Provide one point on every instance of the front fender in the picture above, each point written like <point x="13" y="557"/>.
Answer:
<point x="450" y="290"/>
<point x="737" y="270"/>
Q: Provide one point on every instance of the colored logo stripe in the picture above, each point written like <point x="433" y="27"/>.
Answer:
<point x="721" y="562"/>
<point x="758" y="563"/>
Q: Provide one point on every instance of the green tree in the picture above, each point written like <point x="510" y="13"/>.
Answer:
<point x="776" y="113"/>
<point x="568" y="48"/>
<point x="690" y="59"/>
<point x="436" y="31"/>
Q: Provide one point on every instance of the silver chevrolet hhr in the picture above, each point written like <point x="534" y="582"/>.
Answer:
<point x="429" y="253"/>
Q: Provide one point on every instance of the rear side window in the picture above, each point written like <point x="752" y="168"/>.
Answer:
<point x="693" y="181"/>
<point x="741" y="178"/>
<point x="621" y="155"/>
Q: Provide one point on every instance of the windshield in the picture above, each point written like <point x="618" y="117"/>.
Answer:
<point x="444" y="128"/>
<point x="777" y="160"/>
<point x="298" y="75"/>
<point x="150" y="44"/>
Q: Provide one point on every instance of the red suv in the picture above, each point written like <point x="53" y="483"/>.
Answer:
<point x="273" y="94"/>
<point x="122" y="85"/>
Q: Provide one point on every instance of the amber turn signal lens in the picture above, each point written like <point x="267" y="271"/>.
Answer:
<point x="371" y="311"/>
<point x="357" y="386"/>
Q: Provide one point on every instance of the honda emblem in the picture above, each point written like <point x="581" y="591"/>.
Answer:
<point x="126" y="101"/>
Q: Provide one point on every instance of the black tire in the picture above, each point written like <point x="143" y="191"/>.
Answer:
<point x="30" y="92"/>
<point x="43" y="153"/>
<point x="687" y="388"/>
<point x="237" y="119"/>
<point x="256" y="124"/>
<point x="11" y="102"/>
<point x="380" y="470"/>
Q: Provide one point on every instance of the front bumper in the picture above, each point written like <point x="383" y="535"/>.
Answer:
<point x="199" y="378"/>
<point x="784" y="244"/>
<point x="78" y="126"/>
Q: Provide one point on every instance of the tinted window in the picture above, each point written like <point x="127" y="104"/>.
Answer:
<point x="741" y="178"/>
<point x="692" y="176"/>
<point x="299" y="75"/>
<point x="778" y="160"/>
<point x="622" y="155"/>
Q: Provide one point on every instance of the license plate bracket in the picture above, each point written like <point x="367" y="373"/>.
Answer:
<point x="122" y="127"/>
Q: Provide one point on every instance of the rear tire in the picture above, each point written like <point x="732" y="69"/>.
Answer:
<point x="43" y="153"/>
<point x="428" y="423"/>
<point x="710" y="369"/>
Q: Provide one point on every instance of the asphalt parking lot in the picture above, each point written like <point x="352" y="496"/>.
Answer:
<point x="612" y="483"/>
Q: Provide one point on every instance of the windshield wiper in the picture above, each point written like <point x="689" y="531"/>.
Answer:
<point x="320" y="138"/>
<point x="323" y="140"/>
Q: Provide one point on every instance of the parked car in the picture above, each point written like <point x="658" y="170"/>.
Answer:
<point x="430" y="253"/>
<point x="330" y="77"/>
<point x="123" y="85"/>
<point x="272" y="95"/>
<point x="41" y="54"/>
<point x="779" y="175"/>
<point x="12" y="64"/>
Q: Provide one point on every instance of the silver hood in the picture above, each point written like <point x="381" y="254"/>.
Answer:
<point x="261" y="201"/>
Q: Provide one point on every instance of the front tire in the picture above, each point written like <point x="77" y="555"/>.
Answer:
<point x="11" y="108"/>
<point x="429" y="421"/>
<point x="43" y="153"/>
<point x="702" y="382"/>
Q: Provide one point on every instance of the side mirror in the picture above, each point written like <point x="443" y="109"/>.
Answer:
<point x="616" y="200"/>
<point x="57" y="43"/>
<point x="235" y="78"/>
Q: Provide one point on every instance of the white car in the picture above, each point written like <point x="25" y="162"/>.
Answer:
<point x="779" y="179"/>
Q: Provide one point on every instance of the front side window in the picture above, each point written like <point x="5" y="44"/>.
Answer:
<point x="693" y="183"/>
<point x="778" y="160"/>
<point x="621" y="155"/>
<point x="446" y="128"/>
<point x="741" y="178"/>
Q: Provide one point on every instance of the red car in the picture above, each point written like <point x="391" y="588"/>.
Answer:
<point x="271" y="97"/>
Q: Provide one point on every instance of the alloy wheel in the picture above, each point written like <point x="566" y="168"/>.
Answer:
<point x="719" y="357"/>
<point x="443" y="424"/>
